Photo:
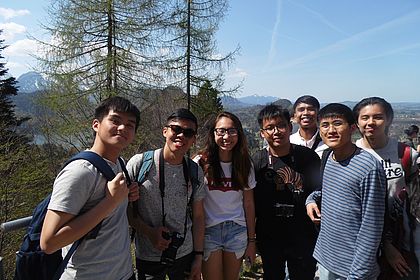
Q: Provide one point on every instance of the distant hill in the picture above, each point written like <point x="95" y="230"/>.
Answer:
<point x="232" y="103"/>
<point x="30" y="82"/>
<point x="257" y="99"/>
<point x="29" y="85"/>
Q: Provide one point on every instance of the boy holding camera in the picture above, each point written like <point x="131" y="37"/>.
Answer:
<point x="286" y="174"/>
<point x="169" y="241"/>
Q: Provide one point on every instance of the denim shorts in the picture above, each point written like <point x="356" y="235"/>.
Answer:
<point x="227" y="236"/>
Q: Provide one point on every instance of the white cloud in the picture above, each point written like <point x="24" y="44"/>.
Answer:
<point x="239" y="73"/>
<point x="21" y="48"/>
<point x="10" y="29"/>
<point x="7" y="13"/>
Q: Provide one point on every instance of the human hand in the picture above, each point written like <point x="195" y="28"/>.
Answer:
<point x="195" y="273"/>
<point x="133" y="192"/>
<point x="117" y="190"/>
<point x="250" y="252"/>
<point x="157" y="240"/>
<point x="396" y="260"/>
<point x="313" y="212"/>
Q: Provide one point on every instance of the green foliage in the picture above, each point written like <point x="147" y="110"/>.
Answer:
<point x="27" y="177"/>
<point x="26" y="170"/>
<point x="205" y="105"/>
<point x="191" y="46"/>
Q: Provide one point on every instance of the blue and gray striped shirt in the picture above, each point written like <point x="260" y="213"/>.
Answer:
<point x="352" y="216"/>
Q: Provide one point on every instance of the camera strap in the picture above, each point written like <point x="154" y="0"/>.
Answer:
<point x="270" y="157"/>
<point x="187" y="178"/>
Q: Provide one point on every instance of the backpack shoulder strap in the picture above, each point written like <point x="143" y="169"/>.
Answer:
<point x="260" y="159"/>
<point x="318" y="140"/>
<point x="97" y="161"/>
<point x="193" y="166"/>
<point x="109" y="174"/>
<point x="124" y="169"/>
<point x="324" y="158"/>
<point x="404" y="153"/>
<point x="145" y="165"/>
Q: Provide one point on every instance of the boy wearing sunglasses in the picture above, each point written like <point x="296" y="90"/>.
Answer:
<point x="169" y="240"/>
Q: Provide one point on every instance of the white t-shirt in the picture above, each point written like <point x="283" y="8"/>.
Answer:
<point x="223" y="203"/>
<point x="296" y="139"/>
<point x="77" y="189"/>
<point x="394" y="171"/>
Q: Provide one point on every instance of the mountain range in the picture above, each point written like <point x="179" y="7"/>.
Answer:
<point x="32" y="83"/>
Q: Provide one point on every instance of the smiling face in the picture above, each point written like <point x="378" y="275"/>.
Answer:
<point x="178" y="136"/>
<point x="225" y="136"/>
<point x="306" y="116"/>
<point x="336" y="132"/>
<point x="115" y="131"/>
<point x="373" y="122"/>
<point x="276" y="131"/>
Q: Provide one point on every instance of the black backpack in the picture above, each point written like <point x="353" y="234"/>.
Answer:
<point x="34" y="264"/>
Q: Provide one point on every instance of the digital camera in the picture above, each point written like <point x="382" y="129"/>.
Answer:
<point x="169" y="254"/>
<point x="284" y="210"/>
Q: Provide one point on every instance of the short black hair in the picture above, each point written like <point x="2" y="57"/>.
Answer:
<point x="412" y="129"/>
<point x="337" y="110"/>
<point x="184" y="114"/>
<point x="118" y="104"/>
<point x="272" y="111"/>
<point x="307" y="99"/>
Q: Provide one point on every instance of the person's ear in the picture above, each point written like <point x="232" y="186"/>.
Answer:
<point x="293" y="119"/>
<point x="95" y="125"/>
<point x="164" y="131"/>
<point x="262" y="133"/>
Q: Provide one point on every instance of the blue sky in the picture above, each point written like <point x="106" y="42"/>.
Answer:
<point x="336" y="50"/>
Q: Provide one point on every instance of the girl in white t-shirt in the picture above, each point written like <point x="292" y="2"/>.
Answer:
<point x="229" y="202"/>
<point x="374" y="116"/>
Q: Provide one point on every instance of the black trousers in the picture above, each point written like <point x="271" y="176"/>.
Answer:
<point x="180" y="270"/>
<point x="301" y="266"/>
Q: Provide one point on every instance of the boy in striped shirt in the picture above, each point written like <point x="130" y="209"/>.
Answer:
<point x="353" y="202"/>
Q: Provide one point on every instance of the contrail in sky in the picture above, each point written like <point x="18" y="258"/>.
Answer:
<point x="319" y="16"/>
<point x="273" y="45"/>
<point x="343" y="44"/>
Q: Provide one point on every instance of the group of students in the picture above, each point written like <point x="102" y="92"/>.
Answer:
<point x="202" y="217"/>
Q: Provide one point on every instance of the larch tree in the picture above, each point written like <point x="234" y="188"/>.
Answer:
<point x="99" y="48"/>
<point x="192" y="54"/>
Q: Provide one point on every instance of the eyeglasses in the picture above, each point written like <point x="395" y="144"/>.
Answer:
<point x="336" y="124"/>
<point x="187" y="132"/>
<point x="270" y="129"/>
<point x="222" y="131"/>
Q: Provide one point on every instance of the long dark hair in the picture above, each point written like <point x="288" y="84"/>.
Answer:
<point x="241" y="160"/>
<point x="389" y="112"/>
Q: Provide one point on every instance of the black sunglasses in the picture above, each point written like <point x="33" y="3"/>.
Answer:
<point x="188" y="132"/>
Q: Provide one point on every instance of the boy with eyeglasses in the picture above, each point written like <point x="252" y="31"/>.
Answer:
<point x="352" y="204"/>
<point x="285" y="174"/>
<point x="169" y="241"/>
